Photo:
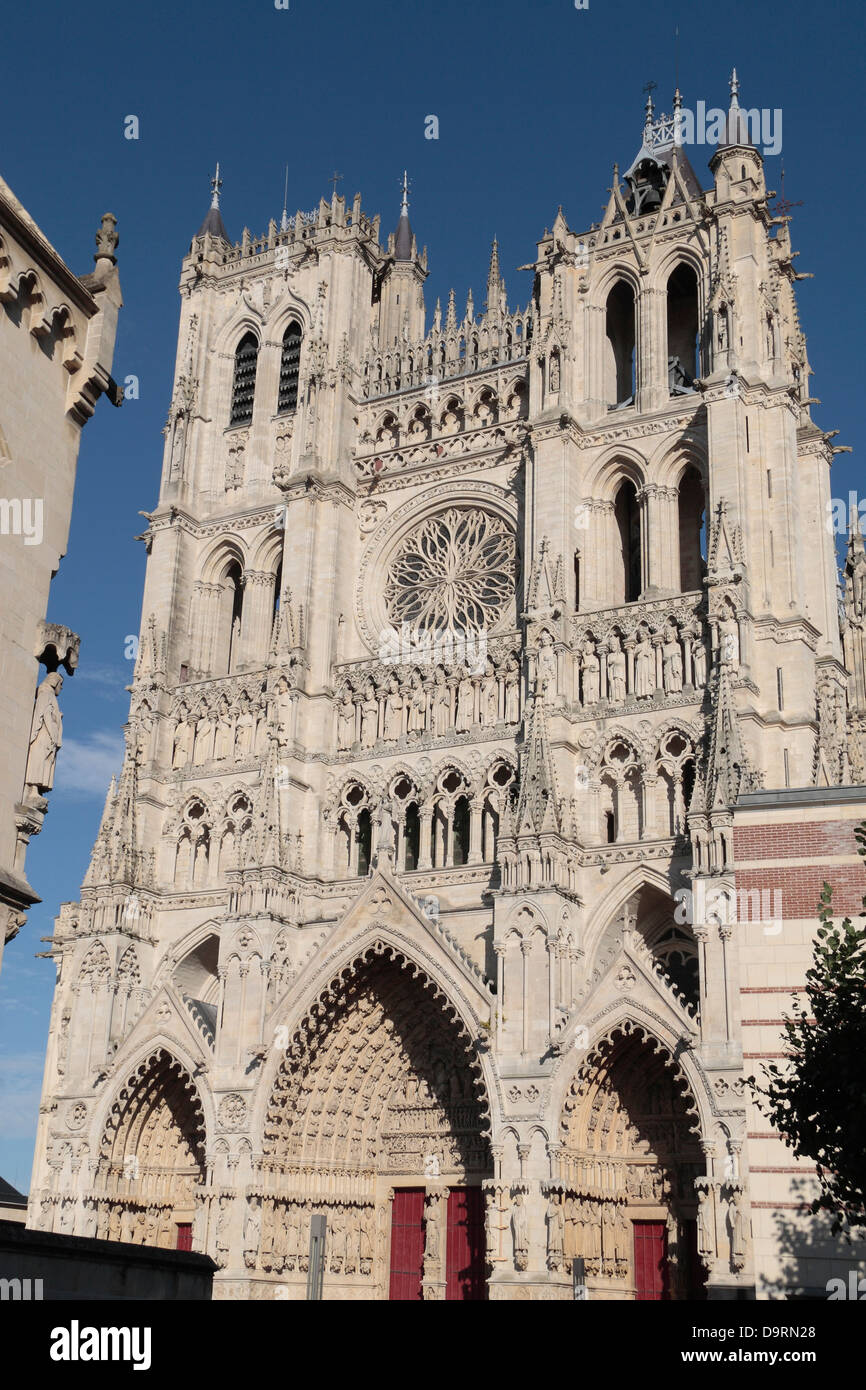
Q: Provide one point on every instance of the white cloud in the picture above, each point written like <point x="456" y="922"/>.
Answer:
<point x="109" y="682"/>
<point x="86" y="766"/>
<point x="20" y="1090"/>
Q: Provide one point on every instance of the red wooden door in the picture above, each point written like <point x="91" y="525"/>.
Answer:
<point x="184" y="1235"/>
<point x="464" y="1254"/>
<point x="650" y="1260"/>
<point x="407" y="1244"/>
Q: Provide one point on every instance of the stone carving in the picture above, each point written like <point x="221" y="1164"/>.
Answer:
<point x="616" y="670"/>
<point x="46" y="735"/>
<point x="456" y="571"/>
<point x="520" y="1232"/>
<point x="252" y="1232"/>
<point x="232" y="1111"/>
<point x="555" y="1232"/>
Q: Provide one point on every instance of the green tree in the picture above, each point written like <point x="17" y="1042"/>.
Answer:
<point x="818" y="1100"/>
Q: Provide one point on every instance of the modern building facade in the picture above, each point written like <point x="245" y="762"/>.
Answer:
<point x="491" y="732"/>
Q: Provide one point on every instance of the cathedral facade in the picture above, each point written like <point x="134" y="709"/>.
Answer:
<point x="492" y="722"/>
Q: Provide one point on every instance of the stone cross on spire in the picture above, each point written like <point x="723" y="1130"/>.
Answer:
<point x="216" y="184"/>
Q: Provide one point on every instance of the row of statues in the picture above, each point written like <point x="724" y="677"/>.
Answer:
<point x="277" y="1236"/>
<point x="221" y="735"/>
<point x="642" y="665"/>
<point x="439" y="705"/>
<point x="106" y="1219"/>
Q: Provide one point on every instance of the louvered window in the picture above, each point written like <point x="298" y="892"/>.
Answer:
<point x="289" y="368"/>
<point x="244" y="387"/>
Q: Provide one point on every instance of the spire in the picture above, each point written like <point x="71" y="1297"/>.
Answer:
<point x="403" y="237"/>
<point x="727" y="770"/>
<point x="213" y="223"/>
<point x="678" y="117"/>
<point x="495" y="283"/>
<point x="284" y="220"/>
<point x="267" y="846"/>
<point x="536" y="805"/>
<point x="737" y="125"/>
<point x="451" y="316"/>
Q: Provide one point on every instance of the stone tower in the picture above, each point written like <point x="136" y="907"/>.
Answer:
<point x="485" y="686"/>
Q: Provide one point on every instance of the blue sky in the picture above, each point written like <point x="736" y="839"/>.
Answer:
<point x="535" y="102"/>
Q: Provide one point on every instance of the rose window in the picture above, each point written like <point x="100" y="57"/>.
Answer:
<point x="457" y="571"/>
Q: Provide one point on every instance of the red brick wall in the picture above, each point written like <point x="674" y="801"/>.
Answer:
<point x="800" y="884"/>
<point x="795" y="840"/>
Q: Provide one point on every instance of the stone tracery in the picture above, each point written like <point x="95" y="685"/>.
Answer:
<point x="455" y="572"/>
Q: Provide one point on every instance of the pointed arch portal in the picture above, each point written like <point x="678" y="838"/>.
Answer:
<point x="152" y="1156"/>
<point x="630" y="1155"/>
<point x="377" y="1119"/>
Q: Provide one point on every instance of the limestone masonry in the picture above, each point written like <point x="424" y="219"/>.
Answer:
<point x="493" y="729"/>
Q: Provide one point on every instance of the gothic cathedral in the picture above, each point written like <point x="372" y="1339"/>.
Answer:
<point x="493" y="716"/>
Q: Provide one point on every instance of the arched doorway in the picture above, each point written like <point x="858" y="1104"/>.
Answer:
<point x="377" y="1121"/>
<point x="152" y="1157"/>
<point x="630" y="1155"/>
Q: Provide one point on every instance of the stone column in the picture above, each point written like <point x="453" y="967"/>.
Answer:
<point x="476" y="812"/>
<point x="426" y="819"/>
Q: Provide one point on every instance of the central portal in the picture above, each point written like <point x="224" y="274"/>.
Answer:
<point x="377" y="1120"/>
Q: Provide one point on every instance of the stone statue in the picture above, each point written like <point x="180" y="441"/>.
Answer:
<point x="346" y="722"/>
<point x="590" y="668"/>
<point x="555" y="1232"/>
<point x="644" y="666"/>
<point x="90" y="1220"/>
<point x="199" y="1225"/>
<point x="252" y="1232"/>
<point x="203" y="740"/>
<point x="223" y="739"/>
<point x="385" y="835"/>
<point x="737" y="1221"/>
<point x="366" y="1237"/>
<point x="554" y="371"/>
<point x="393" y="720"/>
<point x="615" y="670"/>
<point x="706" y="1238"/>
<point x="181" y="746"/>
<point x="729" y="638"/>
<point x="369" y="716"/>
<point x="417" y="705"/>
<point x="46" y="735"/>
<point x="491" y="1227"/>
<point x="432" y="1237"/>
<point x="465" y="704"/>
<point x="546" y="665"/>
<point x="222" y="1231"/>
<point x="441" y="704"/>
<point x="672" y="662"/>
<point x="283" y="712"/>
<point x="699" y="661"/>
<point x="489" y="696"/>
<point x="512" y="691"/>
<point x="243" y="733"/>
<point x="520" y="1232"/>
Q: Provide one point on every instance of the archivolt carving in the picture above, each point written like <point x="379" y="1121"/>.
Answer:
<point x="379" y="1077"/>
